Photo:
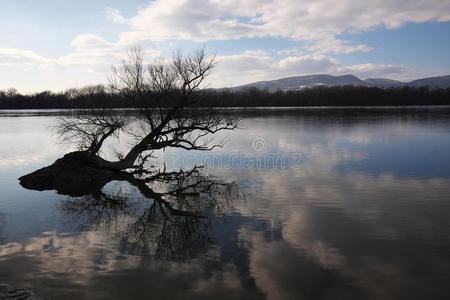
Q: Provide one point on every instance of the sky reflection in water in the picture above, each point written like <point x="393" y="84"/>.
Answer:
<point x="362" y="214"/>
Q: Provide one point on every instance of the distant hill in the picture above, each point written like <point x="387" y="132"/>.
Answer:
<point x="442" y="82"/>
<point x="385" y="83"/>
<point x="300" y="82"/>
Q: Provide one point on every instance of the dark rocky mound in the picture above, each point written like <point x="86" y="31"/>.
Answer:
<point x="72" y="175"/>
<point x="7" y="292"/>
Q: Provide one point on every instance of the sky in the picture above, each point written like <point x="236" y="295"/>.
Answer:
<point x="59" y="44"/>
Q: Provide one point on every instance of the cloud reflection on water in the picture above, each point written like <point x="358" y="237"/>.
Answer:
<point x="334" y="226"/>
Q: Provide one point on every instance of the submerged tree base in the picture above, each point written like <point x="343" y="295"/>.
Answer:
<point x="7" y="292"/>
<point x="74" y="174"/>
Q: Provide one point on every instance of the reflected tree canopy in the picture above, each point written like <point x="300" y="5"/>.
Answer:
<point x="2" y="226"/>
<point x="174" y="217"/>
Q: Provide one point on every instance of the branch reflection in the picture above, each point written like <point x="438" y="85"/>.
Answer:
<point x="175" y="222"/>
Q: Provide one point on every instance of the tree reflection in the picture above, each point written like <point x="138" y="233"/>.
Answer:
<point x="176" y="221"/>
<point x="2" y="227"/>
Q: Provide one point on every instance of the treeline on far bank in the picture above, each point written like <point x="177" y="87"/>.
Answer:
<point x="99" y="96"/>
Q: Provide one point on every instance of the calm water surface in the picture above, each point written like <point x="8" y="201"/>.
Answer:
<point x="332" y="204"/>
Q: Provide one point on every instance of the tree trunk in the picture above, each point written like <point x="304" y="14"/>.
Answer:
<point x="125" y="163"/>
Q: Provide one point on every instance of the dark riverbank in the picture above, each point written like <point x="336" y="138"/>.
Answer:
<point x="99" y="96"/>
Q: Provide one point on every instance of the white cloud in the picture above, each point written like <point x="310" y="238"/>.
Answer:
<point x="318" y="21"/>
<point x="11" y="56"/>
<point x="93" y="52"/>
<point x="90" y="41"/>
<point x="199" y="20"/>
<point x="87" y="64"/>
<point x="114" y="15"/>
<point x="337" y="46"/>
<point x="88" y="50"/>
<point x="373" y="70"/>
<point x="290" y="51"/>
<point x="307" y="63"/>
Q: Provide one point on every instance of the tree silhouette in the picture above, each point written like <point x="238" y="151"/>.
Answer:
<point x="161" y="95"/>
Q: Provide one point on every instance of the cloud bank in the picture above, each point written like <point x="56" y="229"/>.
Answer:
<point x="320" y="26"/>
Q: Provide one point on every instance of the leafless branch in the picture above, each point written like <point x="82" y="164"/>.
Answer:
<point x="162" y="95"/>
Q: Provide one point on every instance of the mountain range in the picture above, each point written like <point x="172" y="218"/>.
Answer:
<point x="300" y="82"/>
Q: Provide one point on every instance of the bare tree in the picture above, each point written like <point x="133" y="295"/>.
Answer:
<point x="162" y="95"/>
<point x="162" y="98"/>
